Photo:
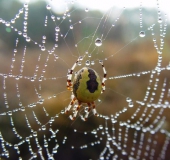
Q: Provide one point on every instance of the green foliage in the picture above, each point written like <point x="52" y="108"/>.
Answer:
<point x="124" y="29"/>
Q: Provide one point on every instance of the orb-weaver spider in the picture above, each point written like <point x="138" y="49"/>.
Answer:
<point x="86" y="88"/>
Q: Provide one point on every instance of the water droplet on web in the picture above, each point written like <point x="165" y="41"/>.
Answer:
<point x="124" y="152"/>
<point x="12" y="20"/>
<point x="24" y="35"/>
<point x="28" y="39"/>
<point x="62" y="111"/>
<point x="9" y="113"/>
<point x="43" y="127"/>
<point x="19" y="32"/>
<point x="7" y="24"/>
<point x="45" y="144"/>
<point x="142" y="34"/>
<point x="79" y="63"/>
<point x="86" y="10"/>
<point x="53" y="17"/>
<point x="57" y="29"/>
<point x="128" y="99"/>
<point x="87" y="63"/>
<point x="43" y="48"/>
<point x="48" y="7"/>
<point x="55" y="150"/>
<point x="71" y="27"/>
<point x="68" y="15"/>
<point x="130" y="104"/>
<point x="98" y="42"/>
<point x="101" y="61"/>
<point x="159" y="20"/>
<point x="92" y="62"/>
<point x="80" y="58"/>
<point x="22" y="108"/>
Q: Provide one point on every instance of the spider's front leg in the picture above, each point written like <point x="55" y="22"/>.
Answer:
<point x="69" y="83"/>
<point x="70" y="74"/>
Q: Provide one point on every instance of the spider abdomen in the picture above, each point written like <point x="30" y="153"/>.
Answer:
<point x="92" y="84"/>
<point x="87" y="85"/>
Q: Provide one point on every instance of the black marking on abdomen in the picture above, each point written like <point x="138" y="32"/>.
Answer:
<point x="92" y="84"/>
<point x="77" y="82"/>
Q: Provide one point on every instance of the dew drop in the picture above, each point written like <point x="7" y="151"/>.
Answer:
<point x="128" y="99"/>
<point x="28" y="39"/>
<point x="71" y="27"/>
<point x="25" y="5"/>
<point x="7" y="24"/>
<point x="9" y="113"/>
<point x="86" y="10"/>
<point x="79" y="63"/>
<point x="43" y="127"/>
<point x="45" y="144"/>
<point x="53" y="17"/>
<point x="57" y="29"/>
<point x="80" y="58"/>
<point x="159" y="20"/>
<point x="142" y="34"/>
<point x="98" y="42"/>
<point x="92" y="62"/>
<point x="48" y="7"/>
<point x="22" y="108"/>
<point x="62" y="111"/>
<point x="42" y="48"/>
<point x="55" y="150"/>
<point x="12" y="20"/>
<point x="87" y="63"/>
<point x="19" y="32"/>
<point x="130" y="104"/>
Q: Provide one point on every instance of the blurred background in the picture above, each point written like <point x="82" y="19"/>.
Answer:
<point x="33" y="90"/>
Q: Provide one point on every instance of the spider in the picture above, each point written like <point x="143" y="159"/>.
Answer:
<point x="86" y="88"/>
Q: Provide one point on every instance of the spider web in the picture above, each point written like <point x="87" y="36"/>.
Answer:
<point x="39" y="46"/>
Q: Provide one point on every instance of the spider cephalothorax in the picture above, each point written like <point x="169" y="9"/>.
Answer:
<point x="86" y="88"/>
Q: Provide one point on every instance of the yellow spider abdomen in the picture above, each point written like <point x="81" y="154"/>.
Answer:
<point x="87" y="85"/>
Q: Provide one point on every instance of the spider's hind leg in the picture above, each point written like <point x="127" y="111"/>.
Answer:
<point x="76" y="109"/>
<point x="67" y="109"/>
<point x="90" y="106"/>
<point x="94" y="109"/>
<point x="84" y="118"/>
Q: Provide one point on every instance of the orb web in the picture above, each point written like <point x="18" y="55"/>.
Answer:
<point x="39" y="43"/>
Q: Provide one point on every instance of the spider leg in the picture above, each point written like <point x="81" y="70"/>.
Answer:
<point x="87" y="113"/>
<point x="104" y="77"/>
<point x="94" y="109"/>
<point x="70" y="73"/>
<point x="76" y="111"/>
<point x="90" y="106"/>
<point x="70" y="105"/>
